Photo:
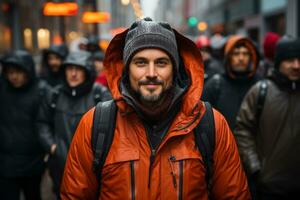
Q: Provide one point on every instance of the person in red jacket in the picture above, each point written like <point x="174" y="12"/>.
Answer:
<point x="155" y="76"/>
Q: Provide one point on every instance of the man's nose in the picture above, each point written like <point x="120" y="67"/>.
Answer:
<point x="14" y="75"/>
<point x="151" y="70"/>
<point x="297" y="63"/>
<point x="73" y="71"/>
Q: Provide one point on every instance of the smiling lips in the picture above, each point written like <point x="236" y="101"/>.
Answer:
<point x="151" y="86"/>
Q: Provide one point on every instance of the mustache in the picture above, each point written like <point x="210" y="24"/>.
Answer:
<point x="150" y="82"/>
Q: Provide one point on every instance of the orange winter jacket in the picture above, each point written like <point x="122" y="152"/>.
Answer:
<point x="126" y="173"/>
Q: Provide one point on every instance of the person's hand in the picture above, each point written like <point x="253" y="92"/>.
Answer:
<point x="52" y="149"/>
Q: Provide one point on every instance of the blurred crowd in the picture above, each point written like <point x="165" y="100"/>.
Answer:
<point x="39" y="112"/>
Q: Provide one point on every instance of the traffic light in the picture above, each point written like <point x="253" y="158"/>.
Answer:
<point x="192" y="21"/>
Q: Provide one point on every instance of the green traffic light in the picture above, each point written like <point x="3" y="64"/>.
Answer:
<point x="192" y="21"/>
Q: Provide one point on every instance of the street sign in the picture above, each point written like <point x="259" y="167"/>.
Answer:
<point x="95" y="17"/>
<point x="60" y="9"/>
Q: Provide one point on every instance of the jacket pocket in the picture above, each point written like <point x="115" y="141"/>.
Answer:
<point x="188" y="172"/>
<point x="120" y="172"/>
<point x="177" y="175"/>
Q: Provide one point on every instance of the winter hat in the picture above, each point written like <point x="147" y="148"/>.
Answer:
<point x="146" y="33"/>
<point x="203" y="41"/>
<point x="269" y="44"/>
<point x="287" y="47"/>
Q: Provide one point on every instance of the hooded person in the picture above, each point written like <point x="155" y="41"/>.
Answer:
<point x="52" y="59"/>
<point x="226" y="91"/>
<point x="268" y="133"/>
<point x="21" y="155"/>
<point x="155" y="76"/>
<point x="61" y="111"/>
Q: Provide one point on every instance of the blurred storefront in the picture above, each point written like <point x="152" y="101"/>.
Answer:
<point x="24" y="24"/>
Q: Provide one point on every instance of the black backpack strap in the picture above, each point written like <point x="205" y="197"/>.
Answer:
<point x="102" y="133"/>
<point x="262" y="93"/>
<point x="97" y="92"/>
<point x="205" y="141"/>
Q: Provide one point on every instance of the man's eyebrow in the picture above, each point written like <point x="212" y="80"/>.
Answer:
<point x="138" y="58"/>
<point x="163" y="58"/>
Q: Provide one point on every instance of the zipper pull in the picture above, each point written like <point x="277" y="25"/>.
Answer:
<point x="73" y="92"/>
<point x="294" y="86"/>
<point x="171" y="160"/>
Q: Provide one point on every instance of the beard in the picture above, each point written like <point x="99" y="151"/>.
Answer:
<point x="151" y="97"/>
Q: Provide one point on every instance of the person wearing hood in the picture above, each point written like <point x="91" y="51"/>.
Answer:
<point x="268" y="133"/>
<point x="61" y="111"/>
<point x="52" y="59"/>
<point x="226" y="91"/>
<point x="155" y="76"/>
<point x="21" y="155"/>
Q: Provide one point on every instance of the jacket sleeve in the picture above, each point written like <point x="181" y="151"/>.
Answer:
<point x="79" y="180"/>
<point x="229" y="180"/>
<point x="44" y="124"/>
<point x="245" y="131"/>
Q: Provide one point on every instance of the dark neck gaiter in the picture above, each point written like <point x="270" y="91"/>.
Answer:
<point x="157" y="111"/>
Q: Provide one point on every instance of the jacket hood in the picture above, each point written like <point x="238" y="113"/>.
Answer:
<point x="60" y="50"/>
<point x="82" y="59"/>
<point x="191" y="66"/>
<point x="234" y="40"/>
<point x="21" y="59"/>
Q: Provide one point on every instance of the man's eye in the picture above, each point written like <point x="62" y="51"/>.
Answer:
<point x="161" y="63"/>
<point x="140" y="62"/>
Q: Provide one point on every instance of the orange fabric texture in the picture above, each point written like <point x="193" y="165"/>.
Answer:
<point x="130" y="144"/>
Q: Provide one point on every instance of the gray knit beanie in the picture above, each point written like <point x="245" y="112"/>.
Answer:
<point x="144" y="34"/>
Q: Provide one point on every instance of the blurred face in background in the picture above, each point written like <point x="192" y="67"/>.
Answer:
<point x="240" y="58"/>
<point x="75" y="75"/>
<point x="54" y="62"/>
<point x="290" y="68"/>
<point x="16" y="76"/>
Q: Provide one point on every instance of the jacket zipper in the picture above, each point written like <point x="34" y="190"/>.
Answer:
<point x="171" y="160"/>
<point x="132" y="180"/>
<point x="180" y="179"/>
<point x="152" y="156"/>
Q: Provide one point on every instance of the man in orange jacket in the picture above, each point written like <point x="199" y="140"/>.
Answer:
<point x="155" y="76"/>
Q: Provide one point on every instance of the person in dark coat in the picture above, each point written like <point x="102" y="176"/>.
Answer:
<point x="61" y="111"/>
<point x="21" y="155"/>
<point x="268" y="133"/>
<point x="226" y="91"/>
<point x="52" y="59"/>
